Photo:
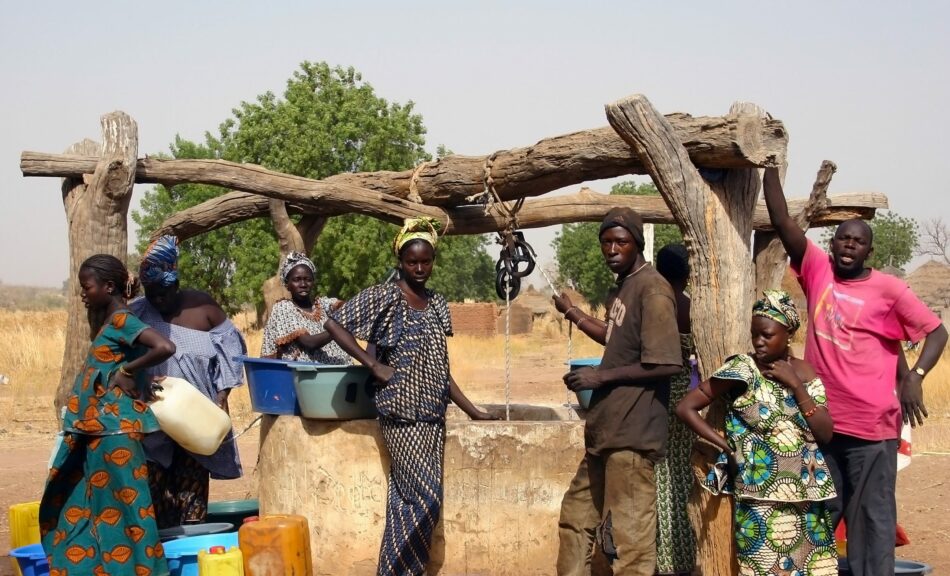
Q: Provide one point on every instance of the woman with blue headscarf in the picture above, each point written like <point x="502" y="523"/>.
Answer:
<point x="207" y="344"/>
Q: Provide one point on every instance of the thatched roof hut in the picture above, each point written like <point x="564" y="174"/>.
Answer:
<point x="931" y="283"/>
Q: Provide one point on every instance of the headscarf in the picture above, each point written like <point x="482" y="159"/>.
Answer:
<point x="778" y="305"/>
<point x="160" y="262"/>
<point x="424" y="228"/>
<point x="626" y="218"/>
<point x="293" y="260"/>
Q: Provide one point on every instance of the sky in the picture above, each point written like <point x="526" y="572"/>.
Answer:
<point x="864" y="84"/>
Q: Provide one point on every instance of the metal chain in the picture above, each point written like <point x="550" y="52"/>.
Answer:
<point x="508" y="347"/>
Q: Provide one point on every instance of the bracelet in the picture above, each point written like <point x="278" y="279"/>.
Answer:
<point x="811" y="412"/>
<point x="579" y="322"/>
<point x="568" y="311"/>
<point x="124" y="371"/>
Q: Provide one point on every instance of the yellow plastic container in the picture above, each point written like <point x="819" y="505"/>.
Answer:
<point x="219" y="562"/>
<point x="276" y="545"/>
<point x="24" y="527"/>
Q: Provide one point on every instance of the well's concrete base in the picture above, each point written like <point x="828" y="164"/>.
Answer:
<point x="503" y="487"/>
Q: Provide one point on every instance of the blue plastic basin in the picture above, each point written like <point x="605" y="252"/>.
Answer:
<point x="31" y="559"/>
<point x="327" y="392"/>
<point x="188" y="530"/>
<point x="271" y="385"/>
<point x="583" y="396"/>
<point x="182" y="554"/>
<point x="901" y="567"/>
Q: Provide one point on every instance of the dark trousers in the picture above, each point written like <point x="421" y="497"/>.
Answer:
<point x="865" y="476"/>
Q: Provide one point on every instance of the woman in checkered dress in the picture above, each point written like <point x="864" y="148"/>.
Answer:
<point x="408" y="324"/>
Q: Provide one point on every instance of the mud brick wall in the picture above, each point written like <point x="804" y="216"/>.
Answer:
<point x="521" y="321"/>
<point x="474" y="319"/>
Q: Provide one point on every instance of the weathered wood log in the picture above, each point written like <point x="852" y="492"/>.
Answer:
<point x="96" y="215"/>
<point x="585" y="206"/>
<point x="716" y="219"/>
<point x="768" y="253"/>
<point x="552" y="163"/>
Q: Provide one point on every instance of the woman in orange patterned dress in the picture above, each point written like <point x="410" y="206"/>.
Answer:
<point x="96" y="516"/>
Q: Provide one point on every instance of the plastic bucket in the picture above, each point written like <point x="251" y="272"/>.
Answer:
<point x="901" y="567"/>
<point x="232" y="512"/>
<point x="271" y="385"/>
<point x="182" y="554"/>
<point x="31" y="559"/>
<point x="188" y="530"/>
<point x="328" y="392"/>
<point x="583" y="396"/>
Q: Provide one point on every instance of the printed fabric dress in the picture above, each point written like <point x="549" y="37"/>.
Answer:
<point x="207" y="359"/>
<point x="781" y="521"/>
<point x="287" y="322"/>
<point x="412" y="414"/>
<point x="675" y="541"/>
<point x="96" y="516"/>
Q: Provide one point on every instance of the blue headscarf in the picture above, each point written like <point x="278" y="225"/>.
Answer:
<point x="160" y="263"/>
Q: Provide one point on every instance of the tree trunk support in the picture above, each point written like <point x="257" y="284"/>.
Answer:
<point x="715" y="216"/>
<point x="96" y="212"/>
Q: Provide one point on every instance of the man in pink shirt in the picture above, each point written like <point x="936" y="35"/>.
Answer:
<point x="857" y="319"/>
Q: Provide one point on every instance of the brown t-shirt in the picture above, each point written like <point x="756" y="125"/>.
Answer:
<point x="641" y="328"/>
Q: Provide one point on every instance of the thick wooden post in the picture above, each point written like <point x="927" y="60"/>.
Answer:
<point x="97" y="207"/>
<point x="716" y="219"/>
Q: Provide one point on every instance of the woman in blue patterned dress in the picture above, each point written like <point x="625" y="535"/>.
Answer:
<point x="408" y="324"/>
<point x="770" y="460"/>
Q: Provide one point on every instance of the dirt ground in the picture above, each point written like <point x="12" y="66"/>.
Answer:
<point x="923" y="488"/>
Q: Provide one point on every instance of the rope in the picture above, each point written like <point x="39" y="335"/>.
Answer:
<point x="570" y="356"/>
<point x="413" y="181"/>
<point x="508" y="347"/>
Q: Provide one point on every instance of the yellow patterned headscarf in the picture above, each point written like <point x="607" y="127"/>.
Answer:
<point x="778" y="305"/>
<point x="424" y="228"/>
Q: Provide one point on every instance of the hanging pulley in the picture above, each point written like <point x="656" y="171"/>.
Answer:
<point x="514" y="263"/>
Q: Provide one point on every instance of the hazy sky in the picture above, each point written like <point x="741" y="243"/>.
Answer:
<point x="861" y="83"/>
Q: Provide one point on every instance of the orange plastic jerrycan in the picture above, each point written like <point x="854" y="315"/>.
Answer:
<point x="220" y="562"/>
<point x="24" y="527"/>
<point x="276" y="545"/>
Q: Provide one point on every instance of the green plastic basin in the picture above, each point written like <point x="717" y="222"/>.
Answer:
<point x="327" y="392"/>
<point x="232" y="511"/>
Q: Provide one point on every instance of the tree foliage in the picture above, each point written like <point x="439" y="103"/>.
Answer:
<point x="895" y="239"/>
<point x="577" y="248"/>
<point x="327" y="122"/>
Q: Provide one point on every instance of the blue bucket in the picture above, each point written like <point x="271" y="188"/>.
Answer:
<point x="31" y="559"/>
<point x="182" y="554"/>
<point x="901" y="568"/>
<point x="583" y="396"/>
<point x="271" y="385"/>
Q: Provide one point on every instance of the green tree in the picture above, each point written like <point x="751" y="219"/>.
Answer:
<point x="329" y="121"/>
<point x="895" y="239"/>
<point x="577" y="248"/>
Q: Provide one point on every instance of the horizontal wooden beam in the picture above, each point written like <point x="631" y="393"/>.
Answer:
<point x="550" y="164"/>
<point x="585" y="206"/>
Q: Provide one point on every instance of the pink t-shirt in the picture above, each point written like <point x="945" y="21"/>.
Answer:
<point x="855" y="328"/>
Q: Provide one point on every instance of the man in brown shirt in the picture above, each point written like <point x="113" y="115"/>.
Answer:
<point x="626" y="427"/>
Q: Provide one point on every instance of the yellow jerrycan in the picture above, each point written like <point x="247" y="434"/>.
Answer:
<point x="276" y="545"/>
<point x="188" y="417"/>
<point x="220" y="562"/>
<point x="24" y="527"/>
